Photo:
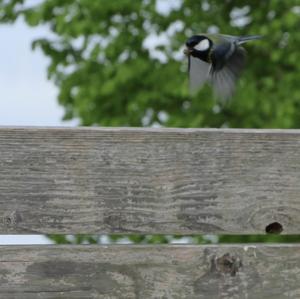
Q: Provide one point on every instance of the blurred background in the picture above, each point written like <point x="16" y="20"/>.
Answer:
<point x="121" y="63"/>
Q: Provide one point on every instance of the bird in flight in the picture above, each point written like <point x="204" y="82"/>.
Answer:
<point x="218" y="59"/>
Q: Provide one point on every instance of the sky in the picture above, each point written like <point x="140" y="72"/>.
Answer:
<point x="27" y="97"/>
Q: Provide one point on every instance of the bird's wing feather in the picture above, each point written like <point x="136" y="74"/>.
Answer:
<point x="223" y="80"/>
<point x="198" y="73"/>
<point x="221" y="38"/>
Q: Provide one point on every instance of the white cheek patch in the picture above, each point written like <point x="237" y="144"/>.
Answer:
<point x="203" y="45"/>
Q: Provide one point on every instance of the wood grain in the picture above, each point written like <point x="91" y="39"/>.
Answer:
<point x="192" y="272"/>
<point x="185" y="181"/>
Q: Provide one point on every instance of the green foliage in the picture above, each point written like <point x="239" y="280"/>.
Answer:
<point x="163" y="239"/>
<point x="107" y="75"/>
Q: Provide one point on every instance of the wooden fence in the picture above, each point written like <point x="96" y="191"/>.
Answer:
<point x="149" y="181"/>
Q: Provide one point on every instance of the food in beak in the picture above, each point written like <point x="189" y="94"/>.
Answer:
<point x="187" y="51"/>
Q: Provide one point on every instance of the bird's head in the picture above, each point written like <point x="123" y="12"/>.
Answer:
<point x="198" y="46"/>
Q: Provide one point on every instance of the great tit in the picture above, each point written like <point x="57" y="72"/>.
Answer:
<point x="218" y="59"/>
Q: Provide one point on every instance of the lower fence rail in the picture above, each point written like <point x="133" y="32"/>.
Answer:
<point x="150" y="271"/>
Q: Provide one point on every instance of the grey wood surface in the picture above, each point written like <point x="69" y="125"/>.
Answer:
<point x="188" y="181"/>
<point x="191" y="272"/>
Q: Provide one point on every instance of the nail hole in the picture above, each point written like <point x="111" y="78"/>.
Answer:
<point x="274" y="228"/>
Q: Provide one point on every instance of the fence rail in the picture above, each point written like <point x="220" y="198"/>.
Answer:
<point x="192" y="272"/>
<point x="183" y="181"/>
<point x="169" y="181"/>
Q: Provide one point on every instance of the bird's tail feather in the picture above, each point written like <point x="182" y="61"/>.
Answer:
<point x="246" y="38"/>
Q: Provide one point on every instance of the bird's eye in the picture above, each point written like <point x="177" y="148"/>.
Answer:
<point x="203" y="45"/>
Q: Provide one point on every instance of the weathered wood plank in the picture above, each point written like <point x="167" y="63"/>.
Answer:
<point x="256" y="271"/>
<point x="94" y="180"/>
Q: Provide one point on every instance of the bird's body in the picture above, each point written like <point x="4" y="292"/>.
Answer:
<point x="218" y="59"/>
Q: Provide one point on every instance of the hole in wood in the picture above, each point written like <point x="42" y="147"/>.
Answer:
<point x="274" y="228"/>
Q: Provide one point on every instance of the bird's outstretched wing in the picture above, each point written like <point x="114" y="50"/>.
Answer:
<point x="224" y="79"/>
<point x="199" y="72"/>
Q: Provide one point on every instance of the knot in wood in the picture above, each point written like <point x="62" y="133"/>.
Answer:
<point x="11" y="219"/>
<point x="228" y="264"/>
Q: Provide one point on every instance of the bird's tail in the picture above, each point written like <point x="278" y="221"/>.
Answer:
<point x="246" y="38"/>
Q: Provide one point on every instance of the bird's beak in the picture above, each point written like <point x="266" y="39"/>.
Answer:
<point x="187" y="51"/>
